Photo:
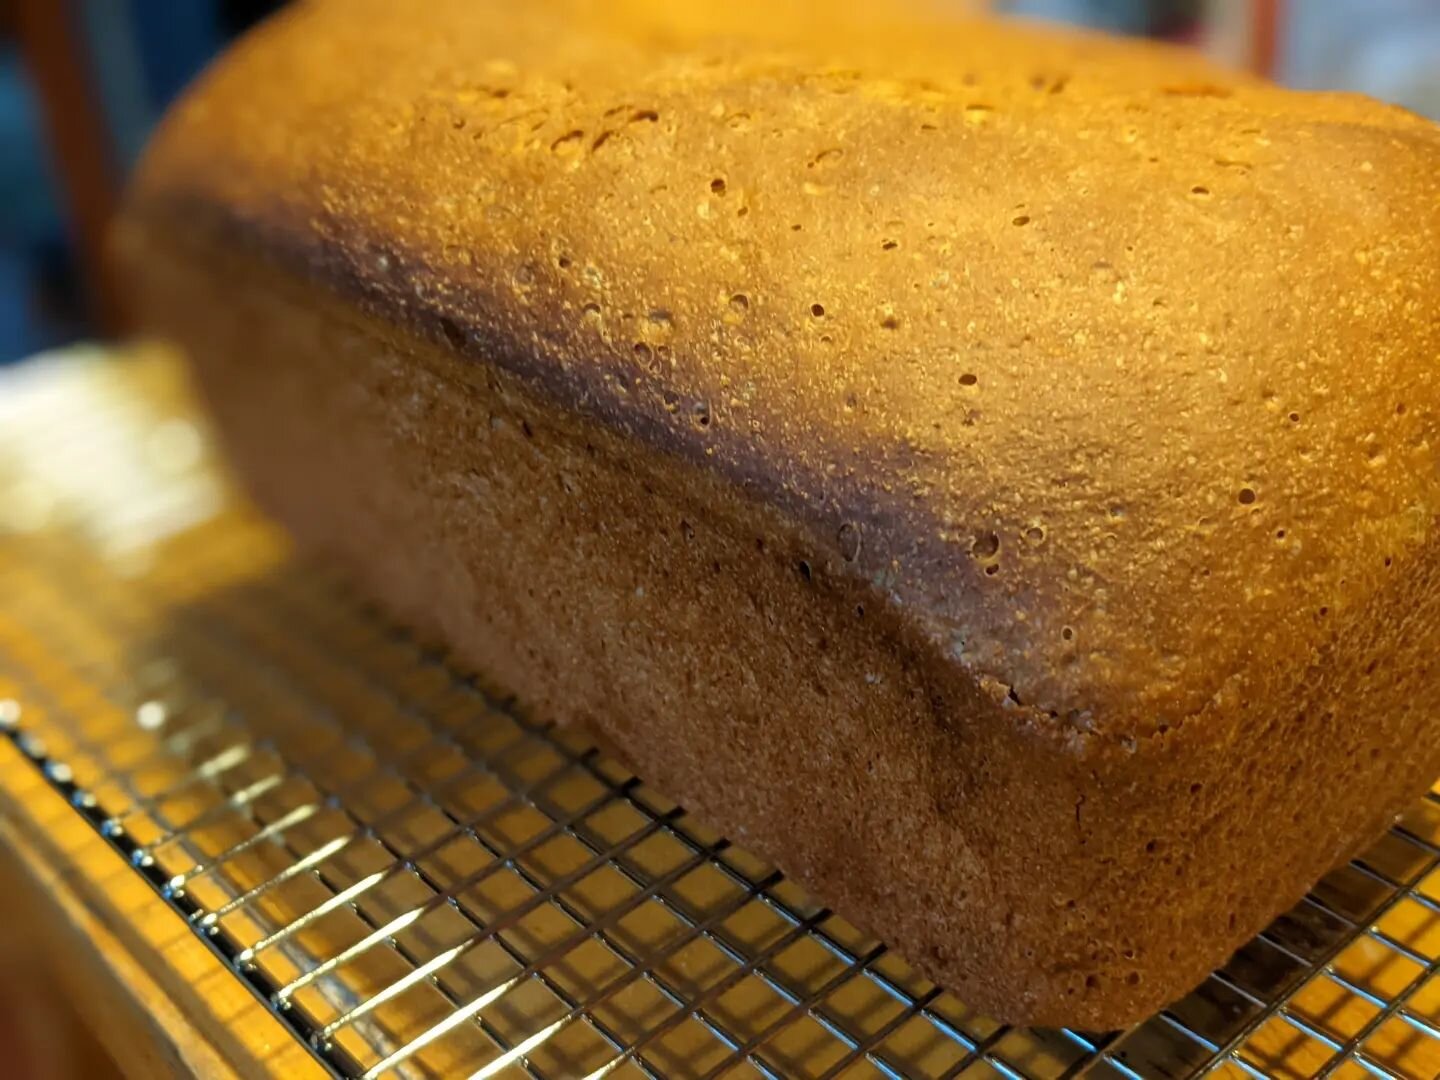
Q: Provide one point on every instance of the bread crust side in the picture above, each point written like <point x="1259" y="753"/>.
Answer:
<point x="711" y="641"/>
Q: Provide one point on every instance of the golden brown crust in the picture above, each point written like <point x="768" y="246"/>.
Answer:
<point x="652" y="600"/>
<point x="1109" y="389"/>
<point x="1145" y="285"/>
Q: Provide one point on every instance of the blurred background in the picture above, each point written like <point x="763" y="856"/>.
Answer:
<point x="82" y="81"/>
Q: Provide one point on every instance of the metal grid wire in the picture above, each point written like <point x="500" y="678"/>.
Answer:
<point x="421" y="881"/>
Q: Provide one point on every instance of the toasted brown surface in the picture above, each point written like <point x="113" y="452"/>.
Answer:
<point x="989" y="473"/>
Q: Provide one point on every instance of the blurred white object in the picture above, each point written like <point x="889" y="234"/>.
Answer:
<point x="77" y="447"/>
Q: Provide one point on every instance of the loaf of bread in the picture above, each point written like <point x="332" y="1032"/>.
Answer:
<point x="989" y="472"/>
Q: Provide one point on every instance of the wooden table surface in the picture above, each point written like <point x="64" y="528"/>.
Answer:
<point x="156" y="999"/>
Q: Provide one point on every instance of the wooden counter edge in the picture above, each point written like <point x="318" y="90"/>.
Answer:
<point x="158" y="1000"/>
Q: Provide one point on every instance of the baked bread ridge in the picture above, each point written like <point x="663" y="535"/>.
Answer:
<point x="1041" y="884"/>
<point x="820" y="444"/>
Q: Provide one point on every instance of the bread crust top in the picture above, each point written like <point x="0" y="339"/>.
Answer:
<point x="1114" y="372"/>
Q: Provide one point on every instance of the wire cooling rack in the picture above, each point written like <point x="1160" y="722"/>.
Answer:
<point x="421" y="881"/>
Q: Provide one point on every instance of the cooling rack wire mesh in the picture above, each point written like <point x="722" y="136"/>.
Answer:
<point x="422" y="881"/>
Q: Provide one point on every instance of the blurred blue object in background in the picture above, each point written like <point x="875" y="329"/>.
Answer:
<point x="31" y="232"/>
<point x="1389" y="49"/>
<point x="175" y="41"/>
<point x="1149" y="17"/>
<point x="137" y="55"/>
<point x="27" y="211"/>
<point x="122" y="78"/>
<point x="1120" y="16"/>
